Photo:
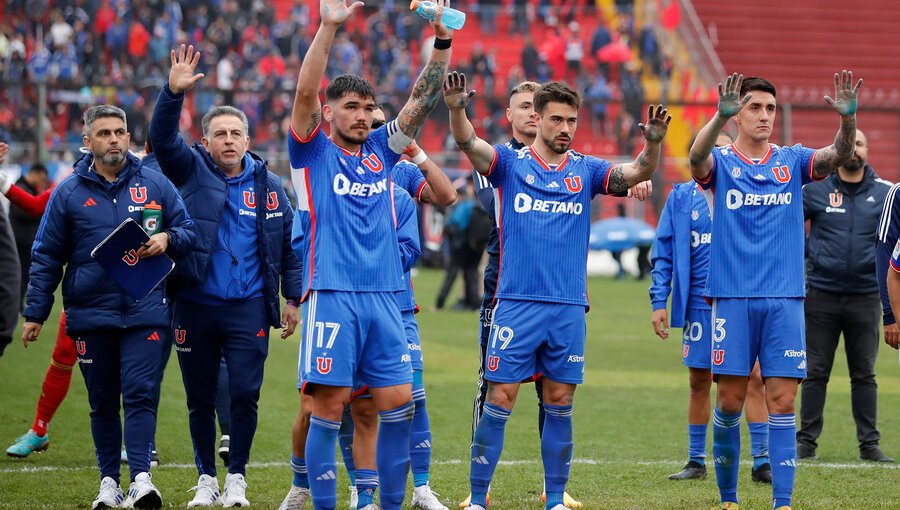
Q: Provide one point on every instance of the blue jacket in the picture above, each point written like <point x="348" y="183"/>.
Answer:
<point x="671" y="255"/>
<point x="82" y="211"/>
<point x="204" y="188"/>
<point x="840" y="249"/>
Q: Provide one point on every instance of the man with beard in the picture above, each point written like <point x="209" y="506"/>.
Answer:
<point x="843" y="297"/>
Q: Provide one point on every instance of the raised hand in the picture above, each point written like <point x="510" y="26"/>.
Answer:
<point x="730" y="100"/>
<point x="336" y="12"/>
<point x="845" y="94"/>
<point x="181" y="76"/>
<point x="657" y="124"/>
<point x="456" y="95"/>
<point x="440" y="30"/>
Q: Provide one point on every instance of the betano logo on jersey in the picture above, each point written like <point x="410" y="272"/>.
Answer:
<point x="697" y="238"/>
<point x="525" y="203"/>
<point x="734" y="199"/>
<point x="343" y="186"/>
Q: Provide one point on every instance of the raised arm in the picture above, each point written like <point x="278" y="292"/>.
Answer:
<point x="307" y="112"/>
<point x="845" y="102"/>
<point x="427" y="89"/>
<point x="626" y="175"/>
<point x="438" y="189"/>
<point x="730" y="103"/>
<point x="457" y="98"/>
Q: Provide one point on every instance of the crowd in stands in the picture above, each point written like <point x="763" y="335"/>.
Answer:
<point x="117" y="51"/>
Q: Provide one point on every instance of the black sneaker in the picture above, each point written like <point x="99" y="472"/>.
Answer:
<point x="691" y="471"/>
<point x="224" y="448"/>
<point x="874" y="454"/>
<point x="154" y="458"/>
<point x="806" y="452"/>
<point x="762" y="474"/>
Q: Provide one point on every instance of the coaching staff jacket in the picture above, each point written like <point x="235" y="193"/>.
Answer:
<point x="82" y="211"/>
<point x="840" y="250"/>
<point x="204" y="188"/>
<point x="671" y="255"/>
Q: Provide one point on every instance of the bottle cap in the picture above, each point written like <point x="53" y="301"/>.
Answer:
<point x="153" y="205"/>
<point x="414" y="5"/>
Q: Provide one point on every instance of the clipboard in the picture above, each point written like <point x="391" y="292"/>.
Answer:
<point x="117" y="255"/>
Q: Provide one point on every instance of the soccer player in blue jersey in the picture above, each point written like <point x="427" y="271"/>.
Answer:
<point x="756" y="280"/>
<point x="352" y="270"/>
<point x="888" y="237"/>
<point x="680" y="265"/>
<point x="542" y="199"/>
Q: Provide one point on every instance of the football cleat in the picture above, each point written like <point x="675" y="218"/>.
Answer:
<point x="425" y="499"/>
<point x="27" y="443"/>
<point x="568" y="501"/>
<point x="691" y="471"/>
<point x="296" y="498"/>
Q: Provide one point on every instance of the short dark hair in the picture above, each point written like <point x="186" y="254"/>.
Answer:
<point x="349" y="84"/>
<point x="100" y="111"/>
<point x="752" y="83"/>
<point x="38" y="167"/>
<point x="555" y="92"/>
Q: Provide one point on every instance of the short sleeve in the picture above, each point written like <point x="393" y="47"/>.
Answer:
<point x="379" y="143"/>
<point x="503" y="155"/>
<point x="711" y="178"/>
<point x="303" y="151"/>
<point x="599" y="170"/>
<point x="805" y="157"/>
<point x="407" y="176"/>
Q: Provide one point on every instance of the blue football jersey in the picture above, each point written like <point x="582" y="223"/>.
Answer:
<point x="758" y="237"/>
<point x="407" y="176"/>
<point x="410" y="247"/>
<point x="701" y="235"/>
<point x="351" y="225"/>
<point x="543" y="221"/>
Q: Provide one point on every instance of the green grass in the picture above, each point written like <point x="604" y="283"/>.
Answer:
<point x="630" y="428"/>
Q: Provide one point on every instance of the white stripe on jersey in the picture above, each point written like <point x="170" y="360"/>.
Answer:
<point x="483" y="182"/>
<point x="886" y="213"/>
<point x="496" y="208"/>
<point x="298" y="181"/>
<point x="310" y="328"/>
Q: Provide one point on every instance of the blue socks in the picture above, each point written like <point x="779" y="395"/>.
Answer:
<point x="345" y="438"/>
<point x="301" y="477"/>
<point x="759" y="443"/>
<point x="726" y="450"/>
<point x="366" y="483"/>
<point x="392" y="456"/>
<point x="321" y="462"/>
<point x="420" y="439"/>
<point x="556" y="451"/>
<point x="783" y="438"/>
<point x="486" y="449"/>
<point x="697" y="443"/>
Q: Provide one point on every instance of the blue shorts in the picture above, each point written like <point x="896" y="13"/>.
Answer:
<point x="772" y="329"/>
<point x="412" y="339"/>
<point x="696" y="341"/>
<point x="530" y="337"/>
<point x="353" y="338"/>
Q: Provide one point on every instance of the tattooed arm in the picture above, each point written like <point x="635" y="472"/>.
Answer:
<point x="845" y="102"/>
<point x="438" y="189"/>
<point x="307" y="112"/>
<point x="427" y="89"/>
<point x="457" y="97"/>
<point x="624" y="176"/>
<point x="730" y="103"/>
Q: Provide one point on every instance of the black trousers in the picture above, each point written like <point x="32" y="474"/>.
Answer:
<point x="858" y="317"/>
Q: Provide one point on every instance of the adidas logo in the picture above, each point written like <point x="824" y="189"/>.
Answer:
<point x="424" y="444"/>
<point x="153" y="336"/>
<point x="480" y="460"/>
<point x="789" y="463"/>
<point x="329" y="475"/>
<point x="262" y="332"/>
<point x="759" y="177"/>
<point x="90" y="202"/>
<point x="871" y="199"/>
<point x="721" y="460"/>
<point x="553" y="185"/>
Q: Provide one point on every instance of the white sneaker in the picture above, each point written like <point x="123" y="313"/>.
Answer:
<point x="110" y="495"/>
<point x="143" y="494"/>
<point x="296" y="498"/>
<point x="560" y="507"/>
<point x="424" y="499"/>
<point x="235" y="493"/>
<point x="475" y="507"/>
<point x="354" y="497"/>
<point x="207" y="492"/>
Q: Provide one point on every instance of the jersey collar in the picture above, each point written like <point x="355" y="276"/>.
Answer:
<point x="544" y="164"/>
<point x="750" y="161"/>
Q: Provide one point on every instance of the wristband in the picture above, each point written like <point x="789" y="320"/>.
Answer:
<point x="291" y="302"/>
<point x="442" y="44"/>
<point x="420" y="158"/>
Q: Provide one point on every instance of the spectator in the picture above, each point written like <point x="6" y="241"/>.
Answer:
<point x="574" y="53"/>
<point x="598" y="95"/>
<point x="461" y="254"/>
<point x="530" y="59"/>
<point x="520" y="17"/>
<point x="24" y="225"/>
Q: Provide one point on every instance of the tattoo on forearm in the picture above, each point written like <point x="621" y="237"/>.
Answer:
<point x="616" y="182"/>
<point x="829" y="159"/>
<point x="313" y="124"/>
<point x="425" y="94"/>
<point x="465" y="146"/>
